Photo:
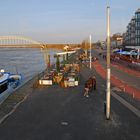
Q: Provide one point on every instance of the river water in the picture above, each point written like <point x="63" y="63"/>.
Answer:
<point x="25" y="61"/>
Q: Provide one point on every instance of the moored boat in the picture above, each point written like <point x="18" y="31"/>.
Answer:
<point x="8" y="83"/>
<point x="3" y="82"/>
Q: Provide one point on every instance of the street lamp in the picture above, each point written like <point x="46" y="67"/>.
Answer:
<point x="108" y="65"/>
<point x="90" y="49"/>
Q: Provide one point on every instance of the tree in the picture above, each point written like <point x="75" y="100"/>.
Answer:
<point x="57" y="62"/>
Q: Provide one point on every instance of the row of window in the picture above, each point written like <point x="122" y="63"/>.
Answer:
<point x="137" y="24"/>
<point x="137" y="40"/>
<point x="133" y="31"/>
<point x="137" y="15"/>
<point x="133" y="27"/>
<point x="133" y="34"/>
<point x="137" y="32"/>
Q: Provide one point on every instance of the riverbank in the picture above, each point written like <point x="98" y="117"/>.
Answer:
<point x="21" y="94"/>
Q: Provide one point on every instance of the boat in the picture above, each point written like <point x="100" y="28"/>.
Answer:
<point x="67" y="52"/>
<point x="3" y="82"/>
<point x="14" y="80"/>
<point x="8" y="83"/>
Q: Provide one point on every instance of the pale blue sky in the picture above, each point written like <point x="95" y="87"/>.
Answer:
<point x="64" y="21"/>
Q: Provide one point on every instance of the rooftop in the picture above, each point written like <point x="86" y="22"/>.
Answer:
<point x="133" y="18"/>
<point x="138" y="11"/>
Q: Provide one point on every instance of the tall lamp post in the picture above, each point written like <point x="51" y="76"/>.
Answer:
<point x="90" y="49"/>
<point x="108" y="65"/>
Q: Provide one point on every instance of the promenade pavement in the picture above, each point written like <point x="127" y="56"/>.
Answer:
<point x="126" y="75"/>
<point x="55" y="113"/>
<point x="117" y="82"/>
<point x="127" y="80"/>
<point x="125" y="69"/>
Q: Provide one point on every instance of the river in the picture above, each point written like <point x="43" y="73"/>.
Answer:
<point x="25" y="61"/>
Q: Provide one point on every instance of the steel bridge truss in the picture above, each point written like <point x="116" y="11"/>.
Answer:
<point x="20" y="41"/>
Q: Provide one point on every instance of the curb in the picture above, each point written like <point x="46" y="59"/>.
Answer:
<point x="126" y="104"/>
<point x="13" y="110"/>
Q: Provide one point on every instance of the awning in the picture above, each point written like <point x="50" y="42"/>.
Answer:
<point x="127" y="53"/>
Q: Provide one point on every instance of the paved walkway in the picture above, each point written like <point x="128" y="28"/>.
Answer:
<point x="117" y="82"/>
<point x="128" y="78"/>
<point x="54" y="113"/>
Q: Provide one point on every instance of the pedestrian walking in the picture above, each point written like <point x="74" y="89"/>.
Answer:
<point x="90" y="83"/>
<point x="86" y="92"/>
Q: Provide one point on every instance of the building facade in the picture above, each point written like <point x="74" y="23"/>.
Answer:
<point x="132" y="35"/>
<point x="137" y="23"/>
<point x="116" y="40"/>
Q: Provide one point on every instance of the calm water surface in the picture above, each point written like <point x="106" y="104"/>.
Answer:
<point x="26" y="61"/>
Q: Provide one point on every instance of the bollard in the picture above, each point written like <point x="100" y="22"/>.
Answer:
<point x="133" y="95"/>
<point x="124" y="89"/>
<point x="105" y="107"/>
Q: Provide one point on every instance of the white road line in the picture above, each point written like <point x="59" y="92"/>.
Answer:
<point x="126" y="104"/>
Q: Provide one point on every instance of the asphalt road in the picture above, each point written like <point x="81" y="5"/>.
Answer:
<point x="54" y="113"/>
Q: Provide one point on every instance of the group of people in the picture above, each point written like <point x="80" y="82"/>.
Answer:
<point x="90" y="84"/>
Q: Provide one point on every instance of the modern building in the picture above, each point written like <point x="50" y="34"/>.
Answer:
<point x="132" y="35"/>
<point x="116" y="40"/>
<point x="137" y="26"/>
<point x="100" y="44"/>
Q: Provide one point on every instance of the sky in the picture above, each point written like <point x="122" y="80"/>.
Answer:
<point x="64" y="21"/>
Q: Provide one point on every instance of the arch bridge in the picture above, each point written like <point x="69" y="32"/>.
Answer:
<point x="19" y="41"/>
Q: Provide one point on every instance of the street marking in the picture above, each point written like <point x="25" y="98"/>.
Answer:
<point x="126" y="104"/>
<point x="116" y="89"/>
<point x="64" y="123"/>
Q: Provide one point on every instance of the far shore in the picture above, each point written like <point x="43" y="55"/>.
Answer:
<point x="50" y="46"/>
